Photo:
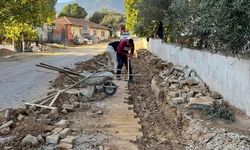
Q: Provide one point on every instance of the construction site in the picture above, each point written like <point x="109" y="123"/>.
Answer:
<point x="166" y="107"/>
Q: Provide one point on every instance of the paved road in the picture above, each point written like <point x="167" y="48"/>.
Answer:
<point x="21" y="81"/>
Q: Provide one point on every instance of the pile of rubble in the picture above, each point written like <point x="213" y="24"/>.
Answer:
<point x="32" y="127"/>
<point x="183" y="89"/>
<point x="199" y="136"/>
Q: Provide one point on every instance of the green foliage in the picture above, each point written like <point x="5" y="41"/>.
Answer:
<point x="108" y="18"/>
<point x="214" y="24"/>
<point x="131" y="13"/>
<point x="74" y="11"/>
<point x="21" y="17"/>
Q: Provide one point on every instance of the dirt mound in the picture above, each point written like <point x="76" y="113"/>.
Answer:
<point x="6" y="52"/>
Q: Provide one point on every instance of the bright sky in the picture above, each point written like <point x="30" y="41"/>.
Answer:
<point x="63" y="1"/>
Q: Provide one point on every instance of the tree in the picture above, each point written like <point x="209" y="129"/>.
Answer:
<point x="20" y="17"/>
<point x="216" y="24"/>
<point x="108" y="18"/>
<point x="131" y="13"/>
<point x="74" y="11"/>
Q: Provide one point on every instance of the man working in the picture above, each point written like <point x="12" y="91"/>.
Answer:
<point x="111" y="54"/>
<point x="123" y="56"/>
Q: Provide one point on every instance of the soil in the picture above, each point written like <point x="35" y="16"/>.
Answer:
<point x="6" y="52"/>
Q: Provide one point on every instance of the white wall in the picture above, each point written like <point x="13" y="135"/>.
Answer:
<point x="226" y="75"/>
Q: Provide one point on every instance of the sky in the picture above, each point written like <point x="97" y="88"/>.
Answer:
<point x="63" y="1"/>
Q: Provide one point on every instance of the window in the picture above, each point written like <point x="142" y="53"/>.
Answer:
<point x="94" y="32"/>
<point x="102" y="33"/>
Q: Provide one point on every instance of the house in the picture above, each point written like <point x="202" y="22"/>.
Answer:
<point x="66" y="29"/>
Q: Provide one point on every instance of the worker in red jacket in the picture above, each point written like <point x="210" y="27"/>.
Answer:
<point x="125" y="51"/>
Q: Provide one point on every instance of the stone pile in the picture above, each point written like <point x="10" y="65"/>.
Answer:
<point x="182" y="89"/>
<point x="201" y="137"/>
<point x="55" y="126"/>
<point x="181" y="85"/>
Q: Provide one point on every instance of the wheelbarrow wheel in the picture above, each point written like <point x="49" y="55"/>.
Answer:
<point x="109" y="88"/>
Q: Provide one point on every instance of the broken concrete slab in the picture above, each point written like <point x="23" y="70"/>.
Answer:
<point x="200" y="103"/>
<point x="29" y="139"/>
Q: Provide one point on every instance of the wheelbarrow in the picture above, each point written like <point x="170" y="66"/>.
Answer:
<point x="102" y="79"/>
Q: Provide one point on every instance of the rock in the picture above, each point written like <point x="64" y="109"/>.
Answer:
<point x="68" y="107"/>
<point x="57" y="130"/>
<point x="76" y="104"/>
<point x="69" y="139"/>
<point x="53" y="115"/>
<point x="64" y="146"/>
<point x="63" y="123"/>
<point x="153" y="61"/>
<point x="65" y="132"/>
<point x="191" y="82"/>
<point x="76" y="129"/>
<point x="7" y="124"/>
<point x="161" y="65"/>
<point x="200" y="103"/>
<point x="84" y="105"/>
<point x="40" y="138"/>
<point x="6" y="115"/>
<point x="5" y="131"/>
<point x="99" y="112"/>
<point x="190" y="94"/>
<point x="4" y="140"/>
<point x="29" y="139"/>
<point x="20" y="117"/>
<point x="52" y="139"/>
<point x="158" y="91"/>
<point x="31" y="112"/>
<point x="48" y="128"/>
<point x="8" y="148"/>
<point x="64" y="111"/>
<point x="178" y="100"/>
<point x="42" y="120"/>
<point x="216" y="95"/>
<point x="173" y="94"/>
<point x="187" y="72"/>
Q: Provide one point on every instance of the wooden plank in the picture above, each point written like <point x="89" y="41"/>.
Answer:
<point x="42" y="106"/>
<point x="54" y="99"/>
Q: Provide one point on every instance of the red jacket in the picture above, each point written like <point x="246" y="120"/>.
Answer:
<point x="122" y="45"/>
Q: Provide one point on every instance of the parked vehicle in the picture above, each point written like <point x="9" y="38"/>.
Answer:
<point x="125" y="35"/>
<point x="81" y="40"/>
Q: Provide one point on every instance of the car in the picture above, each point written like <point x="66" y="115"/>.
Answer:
<point x="81" y="40"/>
<point x="125" y="35"/>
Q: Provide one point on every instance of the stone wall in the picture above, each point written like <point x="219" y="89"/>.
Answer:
<point x="228" y="75"/>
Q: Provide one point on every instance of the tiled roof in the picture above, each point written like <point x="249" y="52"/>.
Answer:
<point x="80" y="22"/>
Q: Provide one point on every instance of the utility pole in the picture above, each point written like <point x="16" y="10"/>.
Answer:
<point x="23" y="43"/>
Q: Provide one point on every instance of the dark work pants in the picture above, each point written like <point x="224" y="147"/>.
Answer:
<point x="123" y="59"/>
